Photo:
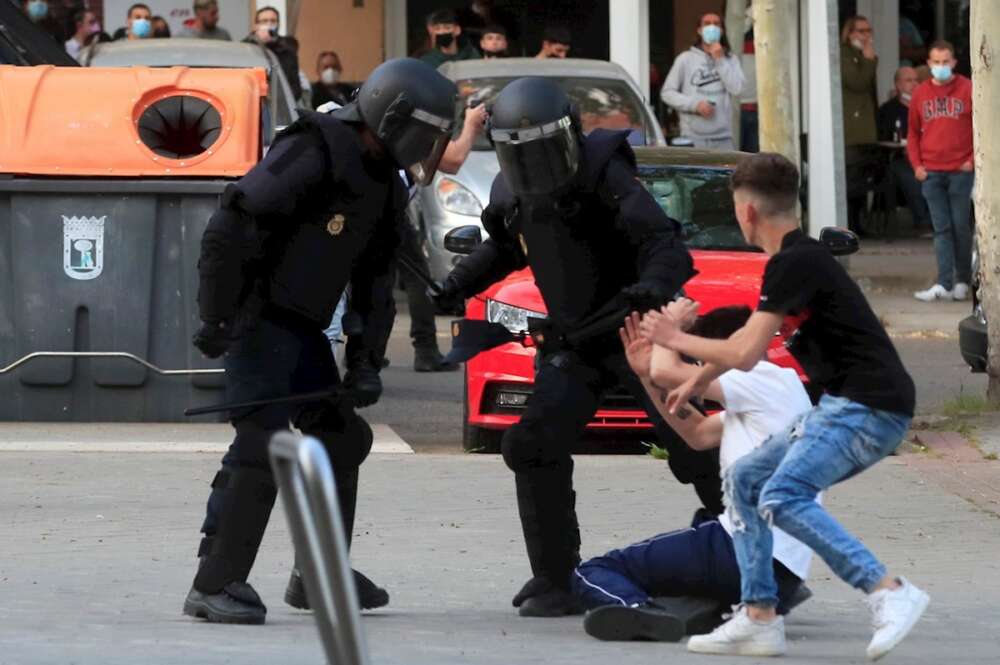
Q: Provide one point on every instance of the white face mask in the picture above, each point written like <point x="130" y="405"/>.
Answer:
<point x="329" y="76"/>
<point x="905" y="97"/>
<point x="858" y="44"/>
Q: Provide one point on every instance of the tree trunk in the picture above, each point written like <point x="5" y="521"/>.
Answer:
<point x="985" y="39"/>
<point x="775" y="28"/>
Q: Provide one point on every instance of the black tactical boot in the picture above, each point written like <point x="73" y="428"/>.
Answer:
<point x="370" y="596"/>
<point x="431" y="360"/>
<point x="647" y="622"/>
<point x="540" y="598"/>
<point x="237" y="602"/>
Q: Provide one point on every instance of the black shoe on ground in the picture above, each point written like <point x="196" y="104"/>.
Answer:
<point x="236" y="603"/>
<point x="551" y="603"/>
<point x="370" y="596"/>
<point x="801" y="595"/>
<point x="649" y="623"/>
<point x="431" y="360"/>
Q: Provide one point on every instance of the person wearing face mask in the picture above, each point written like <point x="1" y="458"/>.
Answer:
<point x="328" y="88"/>
<point x="444" y="32"/>
<point x="86" y="25"/>
<point x="267" y="22"/>
<point x="493" y="43"/>
<point x="939" y="145"/>
<point x="39" y="13"/>
<point x="701" y="84"/>
<point x="893" y="124"/>
<point x="138" y="23"/>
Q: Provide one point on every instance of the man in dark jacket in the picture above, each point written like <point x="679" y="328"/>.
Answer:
<point x="893" y="124"/>
<point x="597" y="242"/>
<point x="322" y="209"/>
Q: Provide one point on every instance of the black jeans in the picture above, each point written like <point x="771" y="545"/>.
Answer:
<point x="568" y="388"/>
<point x="903" y="176"/>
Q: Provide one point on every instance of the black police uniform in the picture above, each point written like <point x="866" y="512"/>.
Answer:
<point x="315" y="214"/>
<point x="585" y="247"/>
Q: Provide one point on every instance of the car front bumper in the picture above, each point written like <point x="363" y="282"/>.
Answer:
<point x="972" y="341"/>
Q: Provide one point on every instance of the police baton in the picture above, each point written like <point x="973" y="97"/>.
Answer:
<point x="411" y="265"/>
<point x="317" y="396"/>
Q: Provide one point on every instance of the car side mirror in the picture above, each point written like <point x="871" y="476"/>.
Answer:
<point x="464" y="239"/>
<point x="840" y="242"/>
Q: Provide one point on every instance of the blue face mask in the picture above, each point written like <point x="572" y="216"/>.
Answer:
<point x="711" y="34"/>
<point x="142" y="27"/>
<point x="38" y="9"/>
<point x="941" y="72"/>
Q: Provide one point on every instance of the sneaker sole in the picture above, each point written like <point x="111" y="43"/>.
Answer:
<point x="201" y="611"/>
<point x="615" y="623"/>
<point x="758" y="650"/>
<point x="875" y="654"/>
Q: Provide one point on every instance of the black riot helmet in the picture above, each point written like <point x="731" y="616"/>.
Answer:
<point x="410" y="108"/>
<point x="536" y="132"/>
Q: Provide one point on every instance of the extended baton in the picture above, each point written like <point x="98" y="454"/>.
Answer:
<point x="410" y="265"/>
<point x="288" y="399"/>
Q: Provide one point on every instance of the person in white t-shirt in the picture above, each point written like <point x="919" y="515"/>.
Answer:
<point x="619" y="588"/>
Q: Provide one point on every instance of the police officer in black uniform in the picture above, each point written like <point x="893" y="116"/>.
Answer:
<point x="573" y="210"/>
<point x="322" y="209"/>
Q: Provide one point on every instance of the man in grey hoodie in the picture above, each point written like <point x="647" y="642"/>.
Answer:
<point x="701" y="85"/>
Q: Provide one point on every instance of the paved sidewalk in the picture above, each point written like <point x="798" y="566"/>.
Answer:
<point x="98" y="552"/>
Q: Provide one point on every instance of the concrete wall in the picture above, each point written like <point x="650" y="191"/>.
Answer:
<point x="355" y="33"/>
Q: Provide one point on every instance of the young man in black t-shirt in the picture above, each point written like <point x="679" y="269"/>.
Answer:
<point x="865" y="410"/>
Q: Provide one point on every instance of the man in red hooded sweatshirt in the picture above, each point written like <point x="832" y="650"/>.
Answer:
<point x="939" y="146"/>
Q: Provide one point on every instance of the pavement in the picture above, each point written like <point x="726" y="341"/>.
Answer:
<point x="98" y="552"/>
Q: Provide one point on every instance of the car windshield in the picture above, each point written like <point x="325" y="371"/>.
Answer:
<point x="698" y="198"/>
<point x="605" y="103"/>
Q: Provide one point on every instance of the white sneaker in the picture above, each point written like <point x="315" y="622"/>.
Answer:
<point x="742" y="636"/>
<point x="961" y="291"/>
<point x="894" y="613"/>
<point x="936" y="292"/>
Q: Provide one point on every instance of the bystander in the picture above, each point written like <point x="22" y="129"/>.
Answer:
<point x="205" y="24"/>
<point x="446" y="45"/>
<point x="86" y="26"/>
<point x="267" y="22"/>
<point x="161" y="29"/>
<point x="893" y="124"/>
<point x="701" y="84"/>
<point x="327" y="86"/>
<point x="138" y="23"/>
<point x="556" y="42"/>
<point x="940" y="150"/>
<point x="858" y="68"/>
<point x="493" y="43"/>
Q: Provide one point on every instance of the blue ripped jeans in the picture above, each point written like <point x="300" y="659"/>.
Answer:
<point x="779" y="481"/>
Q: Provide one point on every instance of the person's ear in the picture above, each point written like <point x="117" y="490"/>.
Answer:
<point x="458" y="30"/>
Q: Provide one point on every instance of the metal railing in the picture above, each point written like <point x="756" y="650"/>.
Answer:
<point x="305" y="479"/>
<point x="107" y="354"/>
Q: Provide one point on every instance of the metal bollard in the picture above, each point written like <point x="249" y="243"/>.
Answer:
<point x="305" y="479"/>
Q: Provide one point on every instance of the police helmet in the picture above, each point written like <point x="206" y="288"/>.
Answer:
<point x="410" y="108"/>
<point x="536" y="132"/>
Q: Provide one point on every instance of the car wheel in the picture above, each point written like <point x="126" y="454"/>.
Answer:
<point x="477" y="439"/>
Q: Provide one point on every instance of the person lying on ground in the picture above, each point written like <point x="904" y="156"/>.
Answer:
<point x="621" y="587"/>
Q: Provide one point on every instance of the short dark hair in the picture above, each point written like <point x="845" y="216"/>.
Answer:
<point x="136" y="6"/>
<point x="269" y="8"/>
<point x="323" y="54"/>
<point x="494" y="29"/>
<point x="721" y="322"/>
<point x="942" y="45"/>
<point x="80" y="14"/>
<point x="557" y="34"/>
<point x="771" y="176"/>
<point x="442" y="17"/>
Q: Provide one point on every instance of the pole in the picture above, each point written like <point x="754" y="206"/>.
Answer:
<point x="775" y="25"/>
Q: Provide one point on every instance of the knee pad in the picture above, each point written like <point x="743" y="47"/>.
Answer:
<point x="346" y="436"/>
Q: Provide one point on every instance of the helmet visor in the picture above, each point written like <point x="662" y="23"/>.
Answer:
<point x="538" y="160"/>
<point x="418" y="144"/>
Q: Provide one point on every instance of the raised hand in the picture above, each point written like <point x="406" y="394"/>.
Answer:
<point x="685" y="311"/>
<point x="638" y="351"/>
<point x="659" y="327"/>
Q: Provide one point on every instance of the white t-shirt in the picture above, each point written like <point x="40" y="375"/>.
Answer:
<point x="760" y="403"/>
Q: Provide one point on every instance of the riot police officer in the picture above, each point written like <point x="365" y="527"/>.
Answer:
<point x="323" y="208"/>
<point x="572" y="208"/>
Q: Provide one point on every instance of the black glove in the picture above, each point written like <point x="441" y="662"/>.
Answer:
<point x="364" y="384"/>
<point x="448" y="296"/>
<point x="643" y="296"/>
<point x="213" y="339"/>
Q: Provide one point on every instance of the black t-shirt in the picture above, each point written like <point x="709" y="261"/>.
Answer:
<point x="840" y="343"/>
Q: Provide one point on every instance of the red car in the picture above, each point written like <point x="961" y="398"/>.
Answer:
<point x="691" y="186"/>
